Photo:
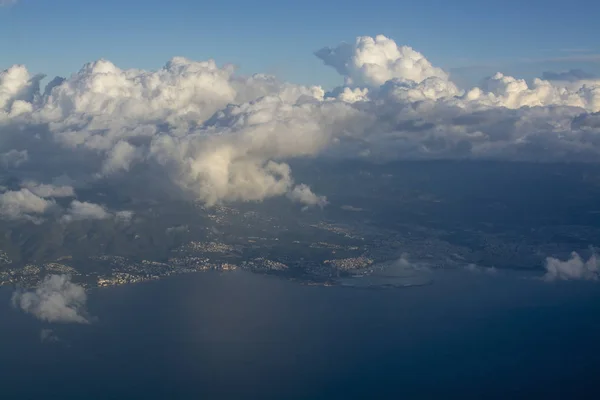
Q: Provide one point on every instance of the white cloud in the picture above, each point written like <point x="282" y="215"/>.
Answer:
<point x="233" y="156"/>
<point x="56" y="299"/>
<point x="82" y="210"/>
<point x="200" y="130"/>
<point x="374" y="61"/>
<point x="303" y="195"/>
<point x="17" y="90"/>
<point x="575" y="268"/>
<point x="506" y="91"/>
<point x="35" y="201"/>
<point x="119" y="158"/>
<point x="23" y="204"/>
<point x="408" y="91"/>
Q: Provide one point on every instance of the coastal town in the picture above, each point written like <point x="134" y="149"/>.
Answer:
<point x="307" y="249"/>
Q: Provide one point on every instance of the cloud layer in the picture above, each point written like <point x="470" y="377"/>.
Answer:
<point x="57" y="299"/>
<point x="198" y="130"/>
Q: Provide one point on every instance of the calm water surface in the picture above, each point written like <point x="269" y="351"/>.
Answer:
<point x="239" y="335"/>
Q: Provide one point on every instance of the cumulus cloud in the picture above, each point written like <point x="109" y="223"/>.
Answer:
<point x="81" y="210"/>
<point x="119" y="158"/>
<point x="575" y="268"/>
<point x="56" y="299"/>
<point x="23" y="204"/>
<point x="199" y="130"/>
<point x="35" y="202"/>
<point x="215" y="135"/>
<point x="374" y="61"/>
<point x="235" y="155"/>
<point x="84" y="210"/>
<point x="303" y="195"/>
<point x="18" y="90"/>
<point x="506" y="91"/>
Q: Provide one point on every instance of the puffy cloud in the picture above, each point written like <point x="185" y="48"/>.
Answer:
<point x="119" y="158"/>
<point x="17" y="90"/>
<point x="178" y="119"/>
<point x="378" y="62"/>
<point x="181" y="90"/>
<point x="81" y="210"/>
<point x="56" y="299"/>
<point x="349" y="95"/>
<point x="405" y="75"/>
<point x="34" y="202"/>
<point x="233" y="156"/>
<point x="23" y="204"/>
<point x="199" y="130"/>
<point x="407" y="91"/>
<point x="303" y="195"/>
<point x="374" y="61"/>
<point x="506" y="91"/>
<point x="84" y="210"/>
<point x="573" y="268"/>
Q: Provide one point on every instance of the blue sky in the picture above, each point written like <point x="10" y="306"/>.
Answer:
<point x="466" y="37"/>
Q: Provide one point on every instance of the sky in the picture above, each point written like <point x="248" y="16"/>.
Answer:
<point x="470" y="39"/>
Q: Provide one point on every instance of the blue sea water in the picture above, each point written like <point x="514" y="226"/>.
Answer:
<point x="240" y="335"/>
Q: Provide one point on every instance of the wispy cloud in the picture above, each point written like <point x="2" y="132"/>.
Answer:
<point x="572" y="75"/>
<point x="575" y="57"/>
<point x="577" y="50"/>
<point x="48" y="335"/>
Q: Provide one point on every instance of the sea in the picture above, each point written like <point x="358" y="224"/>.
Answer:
<point x="238" y="335"/>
